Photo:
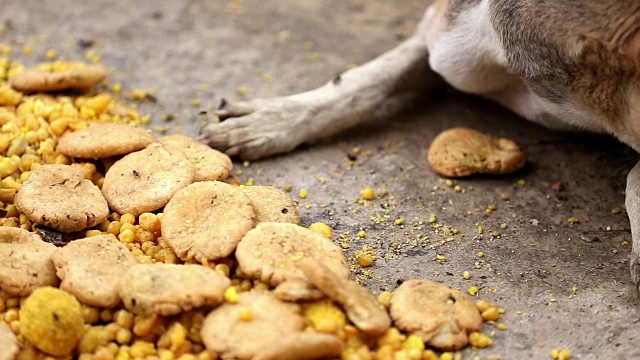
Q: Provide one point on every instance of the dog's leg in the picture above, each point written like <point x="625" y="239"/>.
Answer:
<point x="263" y="127"/>
<point x="632" y="203"/>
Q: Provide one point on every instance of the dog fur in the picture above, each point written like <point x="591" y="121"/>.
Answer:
<point x="561" y="63"/>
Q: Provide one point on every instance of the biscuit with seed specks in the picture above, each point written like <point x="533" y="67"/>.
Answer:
<point x="59" y="197"/>
<point x="460" y="152"/>
<point x="206" y="220"/>
<point x="274" y="331"/>
<point x="442" y="316"/>
<point x="25" y="267"/>
<point x="104" y="139"/>
<point x="210" y="164"/>
<point x="91" y="269"/>
<point x="272" y="204"/>
<point x="269" y="252"/>
<point x="145" y="180"/>
<point x="35" y="80"/>
<point x="12" y="235"/>
<point x="8" y="343"/>
<point x="169" y="289"/>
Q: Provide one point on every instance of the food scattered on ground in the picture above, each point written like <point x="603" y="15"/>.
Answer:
<point x="169" y="289"/>
<point x="460" y="152"/>
<point x="272" y="204"/>
<point x="57" y="76"/>
<point x="104" y="139"/>
<point x="443" y="317"/>
<point x="91" y="268"/>
<point x="210" y="164"/>
<point x="206" y="220"/>
<point x="143" y="279"/>
<point x="59" y="197"/>
<point x="146" y="180"/>
<point x="51" y="319"/>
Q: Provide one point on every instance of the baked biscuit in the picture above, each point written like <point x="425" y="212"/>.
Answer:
<point x="78" y="77"/>
<point x="272" y="204"/>
<point x="104" y="139"/>
<point x="206" y="220"/>
<point x="59" y="197"/>
<point x="442" y="316"/>
<point x="460" y="152"/>
<point x="210" y="164"/>
<point x="145" y="180"/>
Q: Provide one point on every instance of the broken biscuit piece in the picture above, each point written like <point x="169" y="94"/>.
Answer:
<point x="442" y="316"/>
<point x="75" y="76"/>
<point x="460" y="152"/>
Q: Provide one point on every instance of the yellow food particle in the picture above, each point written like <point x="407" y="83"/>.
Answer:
<point x="473" y="290"/>
<point x="242" y="90"/>
<point x="522" y="182"/>
<point x="50" y="54"/>
<point x="480" y="229"/>
<point x="362" y="234"/>
<point x="231" y="295"/>
<point x="466" y="275"/>
<point x="564" y="354"/>
<point x="479" y="340"/>
<point x="413" y="342"/>
<point x="573" y="220"/>
<point x="365" y="260"/>
<point x="245" y="314"/>
<point x="368" y="193"/>
<point x="432" y="218"/>
<point x="303" y="193"/>
<point x="51" y="319"/>
<point x="481" y="254"/>
<point x="399" y="221"/>
<point x="324" y="316"/>
<point x="446" y="356"/>
<point x="141" y="349"/>
<point x="502" y="326"/>
<point x="323" y="229"/>
<point x="441" y="257"/>
<point x="385" y="298"/>
<point x="482" y="305"/>
<point x="490" y="314"/>
<point x="195" y="102"/>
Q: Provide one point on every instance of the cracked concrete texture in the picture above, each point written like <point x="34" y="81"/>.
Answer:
<point x="563" y="285"/>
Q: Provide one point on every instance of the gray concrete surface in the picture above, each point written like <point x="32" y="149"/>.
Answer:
<point x="208" y="49"/>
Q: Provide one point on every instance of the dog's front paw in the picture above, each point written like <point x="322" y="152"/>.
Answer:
<point x="257" y="128"/>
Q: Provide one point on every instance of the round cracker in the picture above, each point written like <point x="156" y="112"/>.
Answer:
<point x="58" y="196"/>
<point x="272" y="204"/>
<point x="12" y="235"/>
<point x="210" y="164"/>
<point x="36" y="80"/>
<point x="26" y="267"/>
<point x="91" y="268"/>
<point x="206" y="220"/>
<point x="145" y="180"/>
<point x="104" y="139"/>
<point x="441" y="315"/>
<point x="462" y="152"/>
<point x="269" y="252"/>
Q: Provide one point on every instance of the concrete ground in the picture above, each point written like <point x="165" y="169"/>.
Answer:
<point x="563" y="285"/>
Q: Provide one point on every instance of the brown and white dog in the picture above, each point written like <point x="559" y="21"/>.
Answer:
<point x="560" y="63"/>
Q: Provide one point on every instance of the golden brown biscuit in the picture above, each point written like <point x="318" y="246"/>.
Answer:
<point x="210" y="164"/>
<point x="169" y="289"/>
<point x="442" y="316"/>
<point x="59" y="197"/>
<point x="12" y="235"/>
<point x="104" y="139"/>
<point x="25" y="267"/>
<point x="460" y="152"/>
<point x="361" y="306"/>
<point x="36" y="80"/>
<point x="272" y="204"/>
<point x="269" y="252"/>
<point x="145" y="180"/>
<point x="91" y="268"/>
<point x="206" y="220"/>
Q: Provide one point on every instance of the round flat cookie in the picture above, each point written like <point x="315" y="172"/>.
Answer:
<point x="145" y="180"/>
<point x="206" y="220"/>
<point x="59" y="197"/>
<point x="441" y="315"/>
<point x="12" y="235"/>
<point x="269" y="252"/>
<point x="26" y="267"/>
<point x="91" y="268"/>
<point x="210" y="164"/>
<point x="460" y="152"/>
<point x="272" y="204"/>
<point x="104" y="139"/>
<point x="36" y="80"/>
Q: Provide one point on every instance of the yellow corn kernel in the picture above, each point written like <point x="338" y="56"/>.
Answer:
<point x="473" y="290"/>
<point x="127" y="236"/>
<point x="141" y="349"/>
<point x="303" y="193"/>
<point x="128" y="219"/>
<point x="482" y="305"/>
<point x="413" y="342"/>
<point x="399" y="221"/>
<point x="466" y="275"/>
<point x="490" y="314"/>
<point x="479" y="340"/>
<point x="365" y="260"/>
<point x="502" y="326"/>
<point x="385" y="298"/>
<point x="91" y="233"/>
<point x="143" y="324"/>
<point x="149" y="222"/>
<point x="368" y="194"/>
<point x="323" y="229"/>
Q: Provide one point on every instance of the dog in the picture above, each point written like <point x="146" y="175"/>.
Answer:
<point x="566" y="64"/>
